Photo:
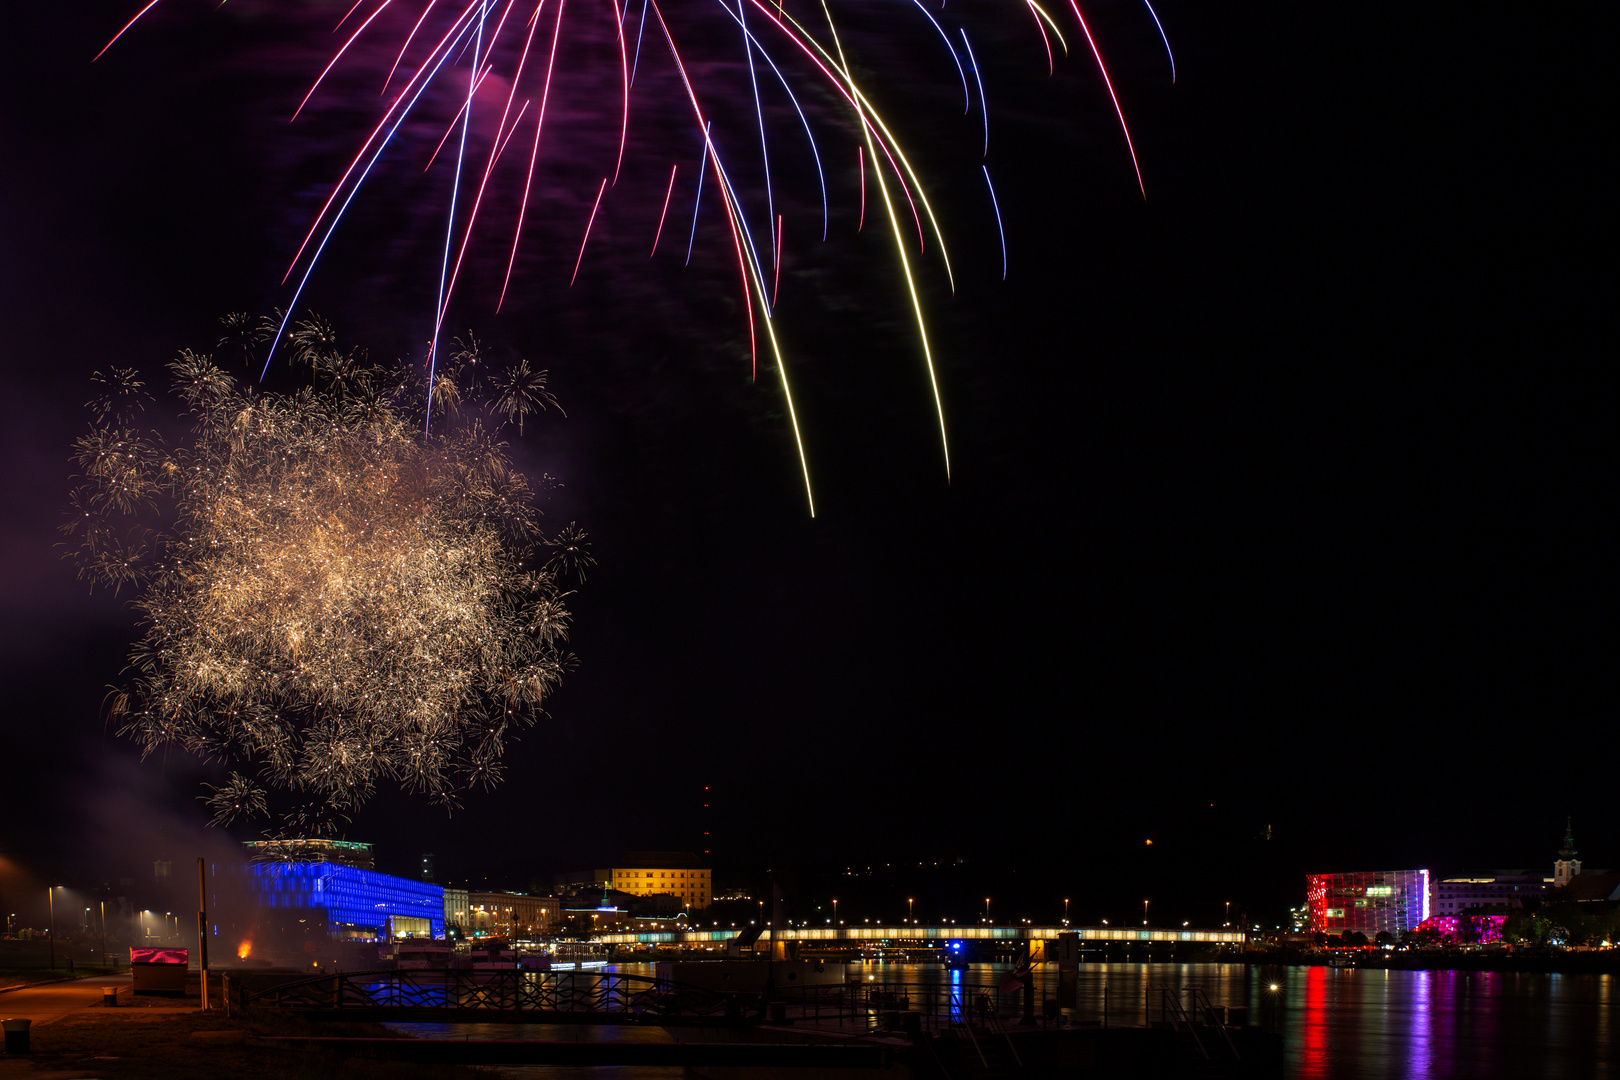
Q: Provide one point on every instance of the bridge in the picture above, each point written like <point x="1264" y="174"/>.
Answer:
<point x="854" y="936"/>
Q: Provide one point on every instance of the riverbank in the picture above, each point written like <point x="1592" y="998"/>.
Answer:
<point x="126" y="1044"/>
<point x="75" y="1033"/>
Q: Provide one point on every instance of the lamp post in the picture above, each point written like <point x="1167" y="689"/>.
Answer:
<point x="1144" y="912"/>
<point x="909" y="902"/>
<point x="835" y="914"/>
<point x="1065" y="911"/>
<point x="202" y="929"/>
<point x="50" y="902"/>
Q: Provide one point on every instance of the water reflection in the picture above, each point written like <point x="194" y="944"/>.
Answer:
<point x="1338" y="1023"/>
<point x="1350" y="1023"/>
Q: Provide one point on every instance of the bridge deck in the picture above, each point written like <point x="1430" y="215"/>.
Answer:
<point x="863" y="934"/>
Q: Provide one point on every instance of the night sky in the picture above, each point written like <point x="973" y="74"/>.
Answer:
<point x="1279" y="502"/>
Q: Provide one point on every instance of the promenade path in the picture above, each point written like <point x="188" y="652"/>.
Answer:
<point x="48" y="1002"/>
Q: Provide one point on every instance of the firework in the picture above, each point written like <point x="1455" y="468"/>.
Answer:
<point x="330" y="597"/>
<point x="455" y="46"/>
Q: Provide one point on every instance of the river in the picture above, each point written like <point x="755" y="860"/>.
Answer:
<point x="1337" y="1023"/>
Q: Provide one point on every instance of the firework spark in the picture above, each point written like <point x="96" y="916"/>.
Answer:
<point x="330" y="597"/>
<point x="426" y="43"/>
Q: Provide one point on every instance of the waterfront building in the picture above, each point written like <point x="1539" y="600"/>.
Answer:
<point x="457" y="912"/>
<point x="338" y="852"/>
<point x="342" y="903"/>
<point x="603" y="916"/>
<point x="1494" y="894"/>
<point x="1368" y="902"/>
<point x="1594" y="885"/>
<point x="301" y="900"/>
<point x="510" y="915"/>
<point x="680" y="874"/>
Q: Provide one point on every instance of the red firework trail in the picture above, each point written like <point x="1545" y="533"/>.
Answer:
<point x="673" y="169"/>
<point x="596" y="206"/>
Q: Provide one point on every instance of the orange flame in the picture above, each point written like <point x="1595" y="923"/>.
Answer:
<point x="243" y="950"/>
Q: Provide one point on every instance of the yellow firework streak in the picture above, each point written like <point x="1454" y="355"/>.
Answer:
<point x="889" y="140"/>
<point x="1048" y="20"/>
<point x="899" y="241"/>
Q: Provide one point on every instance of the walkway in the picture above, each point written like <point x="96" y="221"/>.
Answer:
<point x="918" y="933"/>
<point x="47" y="1003"/>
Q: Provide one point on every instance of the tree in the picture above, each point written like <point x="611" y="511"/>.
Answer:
<point x="1523" y="927"/>
<point x="1420" y="937"/>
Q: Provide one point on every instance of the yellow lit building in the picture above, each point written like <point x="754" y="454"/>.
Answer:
<point x="676" y="873"/>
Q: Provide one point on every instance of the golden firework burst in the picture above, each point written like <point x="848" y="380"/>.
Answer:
<point x="329" y="594"/>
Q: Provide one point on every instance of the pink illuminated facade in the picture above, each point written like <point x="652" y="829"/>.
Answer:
<point x="1466" y="929"/>
<point x="1368" y="902"/>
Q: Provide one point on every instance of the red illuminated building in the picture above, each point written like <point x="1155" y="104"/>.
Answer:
<point x="1368" y="902"/>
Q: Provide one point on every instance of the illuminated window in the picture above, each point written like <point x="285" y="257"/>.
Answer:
<point x="1335" y="912"/>
<point x="1380" y="890"/>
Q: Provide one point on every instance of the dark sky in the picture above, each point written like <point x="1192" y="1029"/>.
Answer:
<point x="1278" y="499"/>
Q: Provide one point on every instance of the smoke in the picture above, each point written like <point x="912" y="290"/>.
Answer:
<point x="137" y="838"/>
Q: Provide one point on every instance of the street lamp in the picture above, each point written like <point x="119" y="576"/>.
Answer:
<point x="835" y="914"/>
<point x="909" y="902"/>
<point x="50" y="902"/>
<point x="987" y="909"/>
<point x="1065" y="911"/>
<point x="1144" y="912"/>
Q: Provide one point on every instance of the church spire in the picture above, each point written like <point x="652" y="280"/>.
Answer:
<point x="1568" y="850"/>
<point x="1567" y="866"/>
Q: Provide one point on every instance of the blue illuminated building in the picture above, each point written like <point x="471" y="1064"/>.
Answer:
<point x="356" y="904"/>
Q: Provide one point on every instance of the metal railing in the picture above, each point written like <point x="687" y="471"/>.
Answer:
<point x="1172" y="1014"/>
<point x="938" y="1007"/>
<point x="592" y="993"/>
<point x="1202" y="1006"/>
<point x="1200" y="1012"/>
<point x="958" y="1018"/>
